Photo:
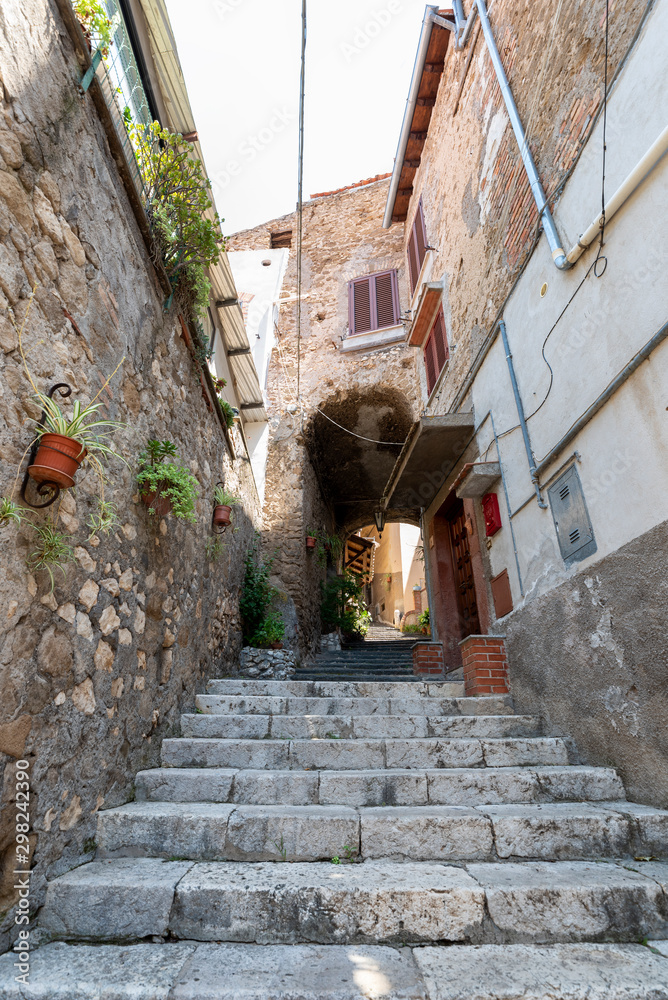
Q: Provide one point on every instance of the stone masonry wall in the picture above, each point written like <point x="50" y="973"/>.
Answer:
<point x="343" y="239"/>
<point x="95" y="673"/>
<point x="479" y="211"/>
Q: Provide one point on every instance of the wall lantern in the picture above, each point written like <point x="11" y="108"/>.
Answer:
<point x="379" y="518"/>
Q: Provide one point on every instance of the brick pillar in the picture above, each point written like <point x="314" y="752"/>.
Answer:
<point x="417" y="599"/>
<point x="485" y="665"/>
<point x="428" y="659"/>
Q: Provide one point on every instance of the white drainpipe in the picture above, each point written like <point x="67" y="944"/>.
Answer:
<point x="622" y="194"/>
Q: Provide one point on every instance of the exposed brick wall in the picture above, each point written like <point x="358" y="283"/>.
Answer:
<point x="485" y="665"/>
<point x="480" y="214"/>
<point x="428" y="659"/>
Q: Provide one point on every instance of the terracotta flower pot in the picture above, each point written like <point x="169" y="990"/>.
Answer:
<point x="57" y="460"/>
<point x="221" y="515"/>
<point x="161" y="505"/>
<point x="276" y="645"/>
<point x="310" y="542"/>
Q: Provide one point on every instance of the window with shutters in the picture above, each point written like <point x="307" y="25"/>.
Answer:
<point x="373" y="302"/>
<point x="436" y="351"/>
<point x="417" y="247"/>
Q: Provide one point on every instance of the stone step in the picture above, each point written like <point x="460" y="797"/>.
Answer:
<point x="397" y="676"/>
<point x="226" y="832"/>
<point x="362" y="754"/>
<point x="334" y="689"/>
<point x="304" y="727"/>
<point x="192" y="971"/>
<point x="243" y="704"/>
<point x="369" y="903"/>
<point x="398" y="787"/>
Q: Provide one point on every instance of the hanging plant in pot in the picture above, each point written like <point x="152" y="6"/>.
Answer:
<point x="222" y="511"/>
<point x="64" y="443"/>
<point x="311" y="538"/>
<point x="165" y="486"/>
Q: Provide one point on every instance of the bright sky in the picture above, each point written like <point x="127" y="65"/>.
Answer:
<point x="240" y="59"/>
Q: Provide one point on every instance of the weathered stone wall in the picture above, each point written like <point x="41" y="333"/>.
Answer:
<point x="343" y="239"/>
<point x="95" y="673"/>
<point x="599" y="672"/>
<point x="479" y="210"/>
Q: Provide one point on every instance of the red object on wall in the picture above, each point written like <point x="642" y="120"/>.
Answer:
<point x="491" y="513"/>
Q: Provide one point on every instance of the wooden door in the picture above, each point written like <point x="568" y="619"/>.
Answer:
<point x="467" y="604"/>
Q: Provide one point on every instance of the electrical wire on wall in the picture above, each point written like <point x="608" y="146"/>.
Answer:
<point x="300" y="198"/>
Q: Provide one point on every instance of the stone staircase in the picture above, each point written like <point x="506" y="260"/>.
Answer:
<point x="340" y="840"/>
<point x="384" y="655"/>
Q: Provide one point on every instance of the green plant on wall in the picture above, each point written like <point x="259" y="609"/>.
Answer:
<point x="51" y="551"/>
<point x="177" y="197"/>
<point x="104" y="518"/>
<point x="167" y="479"/>
<point x="95" y="24"/>
<point x="326" y="546"/>
<point x="343" y="606"/>
<point x="229" y="413"/>
<point x="271" y="630"/>
<point x="257" y="593"/>
<point x="11" y="513"/>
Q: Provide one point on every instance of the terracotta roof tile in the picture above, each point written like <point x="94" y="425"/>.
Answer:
<point x="349" y="187"/>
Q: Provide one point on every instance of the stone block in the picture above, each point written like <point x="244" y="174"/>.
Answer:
<point x="533" y="972"/>
<point x="433" y="753"/>
<point x="579" y="784"/>
<point x="225" y="753"/>
<point x="328" y="904"/>
<point x="649" y="827"/>
<point x="483" y="726"/>
<point x="185" y="784"/>
<point x="304" y="833"/>
<point x="471" y="786"/>
<point x="193" y="831"/>
<point x="228" y="727"/>
<point x="559" y="831"/>
<point x="299" y="972"/>
<point x="373" y="788"/>
<point x="337" y="755"/>
<point x="125" y="899"/>
<point x="524" y="752"/>
<point x="276" y="788"/>
<point x="538" y="902"/>
<point x="60" y="971"/>
<point x="425" y="833"/>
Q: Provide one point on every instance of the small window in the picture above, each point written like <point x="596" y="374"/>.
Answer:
<point x="417" y="247"/>
<point x="436" y="351"/>
<point x="281" y="241"/>
<point x="373" y="302"/>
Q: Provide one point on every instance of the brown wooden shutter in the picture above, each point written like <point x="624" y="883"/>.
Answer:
<point x="360" y="306"/>
<point x="436" y="351"/>
<point x="417" y="246"/>
<point x="385" y="300"/>
<point x="440" y="341"/>
<point x="430" y="363"/>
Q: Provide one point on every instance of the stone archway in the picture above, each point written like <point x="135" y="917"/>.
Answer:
<point x="353" y="468"/>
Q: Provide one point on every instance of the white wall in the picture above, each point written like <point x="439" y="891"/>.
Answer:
<point x="623" y="451"/>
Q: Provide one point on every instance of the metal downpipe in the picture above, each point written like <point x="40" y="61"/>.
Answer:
<point x="558" y="254"/>
<point x="520" y="412"/>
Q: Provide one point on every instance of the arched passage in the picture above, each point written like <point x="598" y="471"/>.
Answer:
<point x="353" y="468"/>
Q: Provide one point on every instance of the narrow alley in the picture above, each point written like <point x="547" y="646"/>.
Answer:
<point x="333" y="603"/>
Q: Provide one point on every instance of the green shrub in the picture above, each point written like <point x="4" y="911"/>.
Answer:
<point x="93" y="19"/>
<point x="271" y="630"/>
<point x="257" y="593"/>
<point x="343" y="606"/>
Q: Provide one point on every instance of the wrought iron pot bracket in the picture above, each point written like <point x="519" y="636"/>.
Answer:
<point x="52" y="490"/>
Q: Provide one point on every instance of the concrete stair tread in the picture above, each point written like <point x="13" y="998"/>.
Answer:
<point x="317" y="726"/>
<point x="191" y="971"/>
<point x="235" y="685"/>
<point x="240" y="704"/>
<point x="538" y="902"/>
<point x="398" y="786"/>
<point x="221" y="831"/>
<point x="361" y="754"/>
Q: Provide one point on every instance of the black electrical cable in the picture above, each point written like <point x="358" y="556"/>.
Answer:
<point x="600" y="255"/>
